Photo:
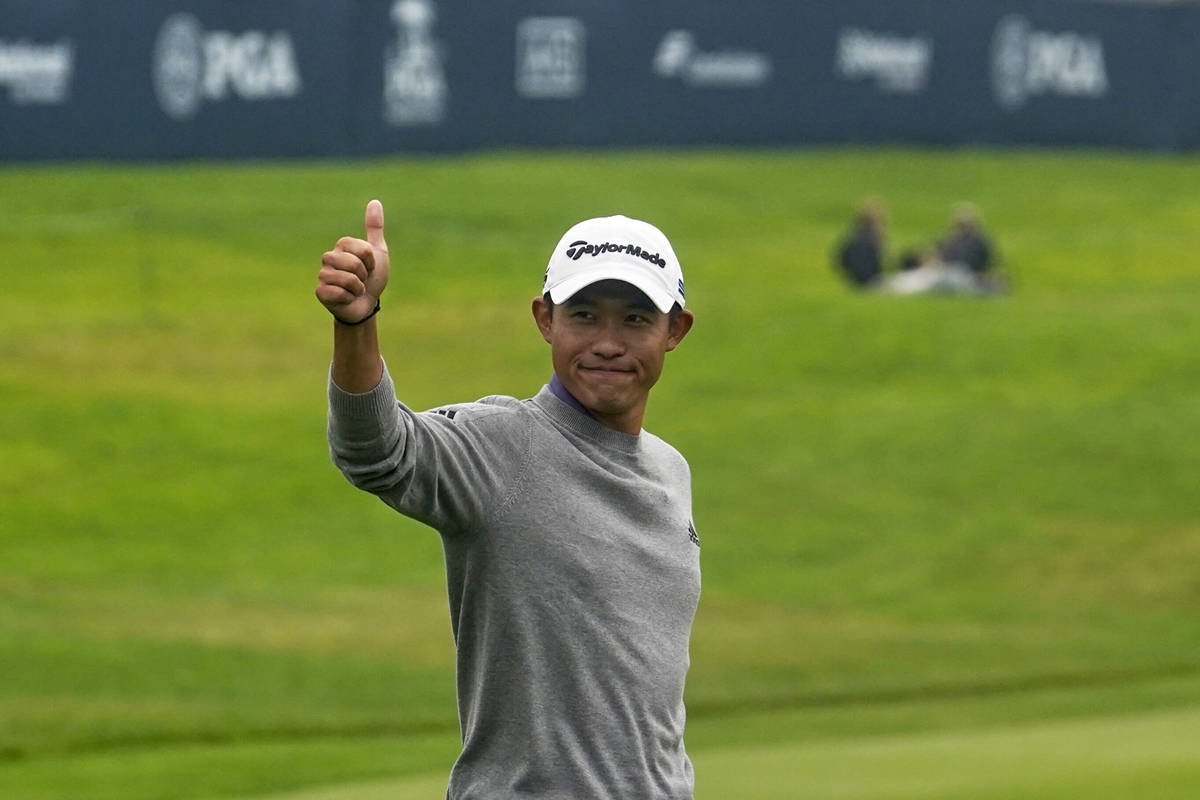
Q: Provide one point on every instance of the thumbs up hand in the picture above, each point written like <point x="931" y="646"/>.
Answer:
<point x="354" y="273"/>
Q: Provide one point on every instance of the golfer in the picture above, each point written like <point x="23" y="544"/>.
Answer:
<point x="572" y="564"/>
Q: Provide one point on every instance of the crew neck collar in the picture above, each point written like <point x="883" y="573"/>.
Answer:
<point x="559" y="390"/>
<point x="570" y="413"/>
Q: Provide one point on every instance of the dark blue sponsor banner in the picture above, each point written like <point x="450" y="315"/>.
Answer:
<point x="1185" y="66"/>
<point x="1057" y="76"/>
<point x="249" y="78"/>
<point x="157" y="78"/>
<point x="41" y="48"/>
<point x="410" y="60"/>
<point x="260" y="78"/>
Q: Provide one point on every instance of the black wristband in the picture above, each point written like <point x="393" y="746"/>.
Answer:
<point x="374" y="311"/>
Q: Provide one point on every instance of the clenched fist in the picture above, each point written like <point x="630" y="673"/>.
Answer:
<point x="354" y="273"/>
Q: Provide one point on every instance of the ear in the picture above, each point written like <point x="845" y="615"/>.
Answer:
<point x="543" y="316"/>
<point x="679" y="328"/>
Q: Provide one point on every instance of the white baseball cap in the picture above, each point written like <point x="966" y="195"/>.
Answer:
<point x="615" y="248"/>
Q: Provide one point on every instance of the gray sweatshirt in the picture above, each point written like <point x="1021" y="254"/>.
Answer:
<point x="573" y="572"/>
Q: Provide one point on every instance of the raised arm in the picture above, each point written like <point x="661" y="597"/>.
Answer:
<point x="450" y="470"/>
<point x="353" y="276"/>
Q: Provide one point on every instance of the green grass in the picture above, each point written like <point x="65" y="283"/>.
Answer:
<point x="1151" y="755"/>
<point x="1146" y="754"/>
<point x="928" y="523"/>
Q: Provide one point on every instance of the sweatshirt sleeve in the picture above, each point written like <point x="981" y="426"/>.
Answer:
<point x="450" y="468"/>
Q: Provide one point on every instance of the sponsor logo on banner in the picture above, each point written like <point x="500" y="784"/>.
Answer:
<point x="193" y="66"/>
<point x="1027" y="63"/>
<point x="414" y="81"/>
<point x="37" y="74"/>
<point x="897" y="64"/>
<point x="679" y="56"/>
<point x="551" y="57"/>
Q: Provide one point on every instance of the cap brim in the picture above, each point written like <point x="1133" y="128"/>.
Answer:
<point x="614" y="271"/>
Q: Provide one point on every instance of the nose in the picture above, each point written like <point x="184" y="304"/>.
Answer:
<point x="608" y="342"/>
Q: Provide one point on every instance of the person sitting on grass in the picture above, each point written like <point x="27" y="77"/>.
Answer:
<point x="860" y="254"/>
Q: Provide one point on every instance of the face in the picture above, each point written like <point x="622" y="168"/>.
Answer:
<point x="608" y="343"/>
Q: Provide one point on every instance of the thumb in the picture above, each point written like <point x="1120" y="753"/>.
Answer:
<point x="374" y="221"/>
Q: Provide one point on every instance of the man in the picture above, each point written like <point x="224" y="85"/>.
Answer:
<point x="571" y="560"/>
<point x="860" y="253"/>
<point x="967" y="244"/>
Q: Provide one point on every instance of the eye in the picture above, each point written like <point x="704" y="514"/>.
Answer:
<point x="581" y="314"/>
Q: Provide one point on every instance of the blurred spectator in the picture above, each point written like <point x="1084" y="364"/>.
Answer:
<point x="967" y="244"/>
<point x="860" y="253"/>
<point x="960" y="263"/>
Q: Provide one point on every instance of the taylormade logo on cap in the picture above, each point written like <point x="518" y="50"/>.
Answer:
<point x="615" y="248"/>
<point x="578" y="249"/>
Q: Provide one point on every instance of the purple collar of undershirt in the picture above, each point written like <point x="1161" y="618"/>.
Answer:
<point x="560" y="391"/>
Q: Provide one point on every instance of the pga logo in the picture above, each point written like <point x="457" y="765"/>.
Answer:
<point x="1027" y="63"/>
<point x="192" y="66"/>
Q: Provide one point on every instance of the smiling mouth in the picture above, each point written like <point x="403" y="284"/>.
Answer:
<point x="606" y="371"/>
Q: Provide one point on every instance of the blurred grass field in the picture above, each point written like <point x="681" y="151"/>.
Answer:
<point x="951" y="546"/>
